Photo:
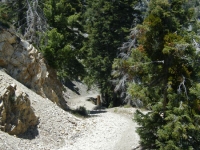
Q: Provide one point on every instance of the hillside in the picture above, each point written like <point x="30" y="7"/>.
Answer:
<point x="58" y="129"/>
<point x="54" y="123"/>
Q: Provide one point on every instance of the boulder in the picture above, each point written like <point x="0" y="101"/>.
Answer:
<point x="16" y="113"/>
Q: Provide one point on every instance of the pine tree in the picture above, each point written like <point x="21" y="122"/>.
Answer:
<point x="164" y="66"/>
<point x="10" y="12"/>
<point x="64" y="39"/>
<point x="107" y="24"/>
<point x="120" y="72"/>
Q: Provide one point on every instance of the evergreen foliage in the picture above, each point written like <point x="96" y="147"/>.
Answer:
<point x="64" y="39"/>
<point x="158" y="66"/>
<point x="107" y="24"/>
<point x="16" y="14"/>
<point x="120" y="65"/>
<point x="4" y="15"/>
<point x="163" y="66"/>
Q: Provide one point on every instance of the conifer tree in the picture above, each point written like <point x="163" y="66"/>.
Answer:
<point x="107" y="24"/>
<point x="14" y="11"/>
<point x="164" y="66"/>
<point x="119" y="73"/>
<point x="64" y="39"/>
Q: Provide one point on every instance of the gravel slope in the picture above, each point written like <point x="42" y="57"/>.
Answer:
<point x="104" y="130"/>
<point x="54" y="128"/>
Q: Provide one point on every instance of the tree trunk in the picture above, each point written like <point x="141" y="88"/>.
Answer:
<point x="165" y="83"/>
<point x="21" y="17"/>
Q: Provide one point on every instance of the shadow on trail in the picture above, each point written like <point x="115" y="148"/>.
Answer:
<point x="96" y="113"/>
<point x="69" y="84"/>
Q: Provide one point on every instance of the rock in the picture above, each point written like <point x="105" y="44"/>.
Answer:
<point x="16" y="114"/>
<point x="24" y="63"/>
<point x="12" y="39"/>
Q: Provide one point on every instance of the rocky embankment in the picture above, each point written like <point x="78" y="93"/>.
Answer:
<point x="25" y="64"/>
<point x="55" y="126"/>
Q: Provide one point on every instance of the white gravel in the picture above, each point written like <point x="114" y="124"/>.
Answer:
<point x="104" y="130"/>
<point x="107" y="131"/>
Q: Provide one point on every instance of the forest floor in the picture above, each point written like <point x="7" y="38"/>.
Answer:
<point x="106" y="129"/>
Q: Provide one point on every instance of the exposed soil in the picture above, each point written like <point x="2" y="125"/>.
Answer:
<point x="105" y="129"/>
<point x="108" y="129"/>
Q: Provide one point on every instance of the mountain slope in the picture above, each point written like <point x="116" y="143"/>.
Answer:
<point x="58" y="129"/>
<point x="55" y="124"/>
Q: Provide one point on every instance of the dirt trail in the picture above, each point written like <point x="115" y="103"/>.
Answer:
<point x="109" y="129"/>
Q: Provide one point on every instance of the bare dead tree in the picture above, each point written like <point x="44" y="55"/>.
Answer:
<point x="35" y="22"/>
<point x="122" y="76"/>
